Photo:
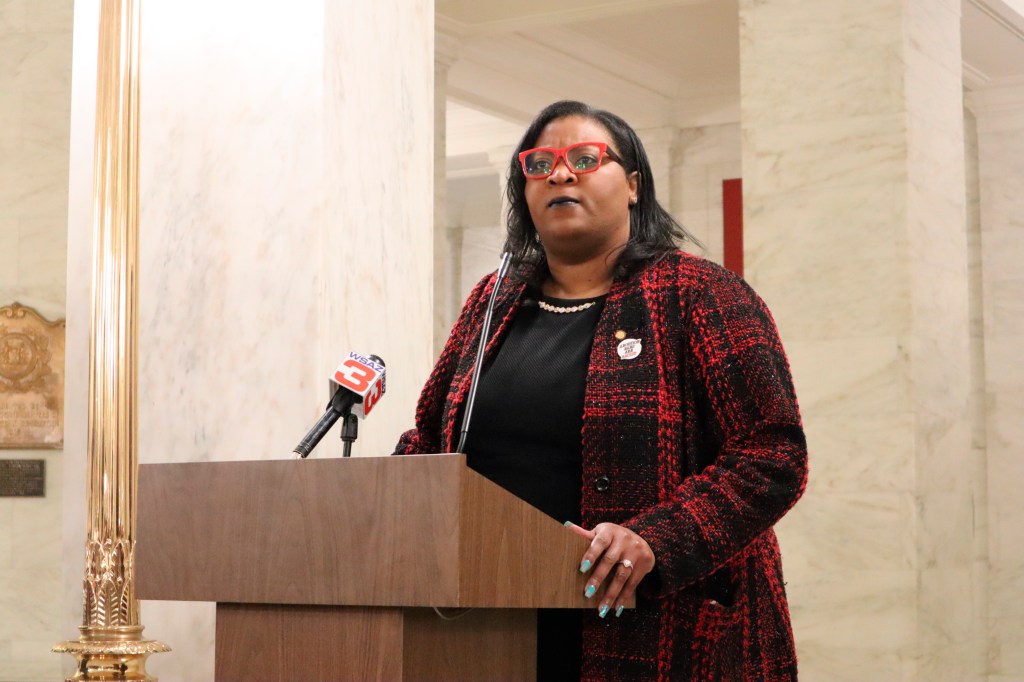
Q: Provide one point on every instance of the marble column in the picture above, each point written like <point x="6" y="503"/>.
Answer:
<point x="378" y="235"/>
<point x="853" y="169"/>
<point x="690" y="188"/>
<point x="704" y="157"/>
<point x="482" y="226"/>
<point x="999" y="113"/>
<point x="286" y="207"/>
<point x="499" y="158"/>
<point x="979" y="447"/>
<point x="660" y="144"/>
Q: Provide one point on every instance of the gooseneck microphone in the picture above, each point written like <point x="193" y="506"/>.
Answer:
<point x="360" y="381"/>
<point x="478" y="365"/>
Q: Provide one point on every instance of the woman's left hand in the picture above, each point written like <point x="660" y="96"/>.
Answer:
<point x="617" y="557"/>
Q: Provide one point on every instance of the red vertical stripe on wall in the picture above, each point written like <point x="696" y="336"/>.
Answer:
<point x="732" y="217"/>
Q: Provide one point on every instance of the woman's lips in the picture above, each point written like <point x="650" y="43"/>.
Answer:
<point x="562" y="201"/>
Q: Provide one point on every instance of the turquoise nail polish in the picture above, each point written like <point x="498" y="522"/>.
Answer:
<point x="618" y="611"/>
<point x="603" y="611"/>
<point x="591" y="591"/>
<point x="567" y="524"/>
<point x="584" y="565"/>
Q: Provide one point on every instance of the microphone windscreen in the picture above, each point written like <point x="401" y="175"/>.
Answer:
<point x="363" y="376"/>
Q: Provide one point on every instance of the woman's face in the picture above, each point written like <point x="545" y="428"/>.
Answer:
<point x="580" y="216"/>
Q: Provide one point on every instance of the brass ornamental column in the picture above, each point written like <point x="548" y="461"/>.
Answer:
<point x="111" y="646"/>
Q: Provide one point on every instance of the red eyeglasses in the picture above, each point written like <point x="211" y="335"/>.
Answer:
<point x="580" y="158"/>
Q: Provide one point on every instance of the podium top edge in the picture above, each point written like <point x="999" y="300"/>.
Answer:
<point x="282" y="460"/>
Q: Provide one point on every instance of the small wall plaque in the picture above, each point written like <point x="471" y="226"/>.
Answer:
<point x="31" y="379"/>
<point x="22" y="478"/>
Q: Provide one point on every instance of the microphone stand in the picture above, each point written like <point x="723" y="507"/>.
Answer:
<point x="479" y="364"/>
<point x="349" y="433"/>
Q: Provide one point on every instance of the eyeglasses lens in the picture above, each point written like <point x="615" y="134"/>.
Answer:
<point x="582" y="158"/>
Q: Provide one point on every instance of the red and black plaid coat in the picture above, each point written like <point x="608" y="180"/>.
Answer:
<point x="696" y="444"/>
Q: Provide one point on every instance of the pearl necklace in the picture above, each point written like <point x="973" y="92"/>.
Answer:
<point x="565" y="309"/>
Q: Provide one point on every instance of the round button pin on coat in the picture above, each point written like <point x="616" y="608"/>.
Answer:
<point x="629" y="348"/>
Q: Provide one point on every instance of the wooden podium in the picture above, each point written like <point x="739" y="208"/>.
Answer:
<point x="332" y="569"/>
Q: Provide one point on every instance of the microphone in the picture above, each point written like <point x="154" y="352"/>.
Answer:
<point x="360" y="381"/>
<point x="478" y="365"/>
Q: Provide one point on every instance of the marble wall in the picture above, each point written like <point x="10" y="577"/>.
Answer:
<point x="855" y="236"/>
<point x="1000" y="129"/>
<point x="286" y="201"/>
<point x="35" y="102"/>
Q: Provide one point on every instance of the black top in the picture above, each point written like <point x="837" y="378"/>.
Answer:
<point x="526" y="437"/>
<point x="528" y="414"/>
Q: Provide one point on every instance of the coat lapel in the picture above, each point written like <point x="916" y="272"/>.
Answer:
<point x="505" y="308"/>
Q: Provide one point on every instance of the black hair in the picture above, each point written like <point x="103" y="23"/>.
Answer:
<point x="653" y="232"/>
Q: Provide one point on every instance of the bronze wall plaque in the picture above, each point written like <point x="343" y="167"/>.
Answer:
<point x="31" y="379"/>
<point x="22" y="478"/>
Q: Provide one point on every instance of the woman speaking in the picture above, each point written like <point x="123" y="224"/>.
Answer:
<point x="641" y="395"/>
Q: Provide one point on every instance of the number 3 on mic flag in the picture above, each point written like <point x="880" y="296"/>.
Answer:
<point x="364" y="377"/>
<point x="355" y="376"/>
